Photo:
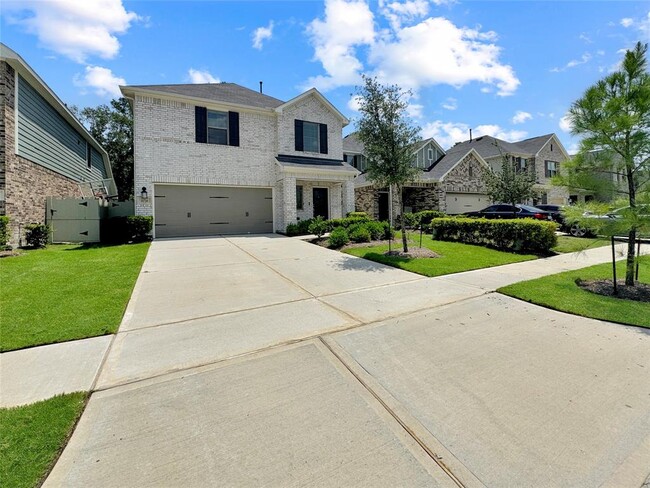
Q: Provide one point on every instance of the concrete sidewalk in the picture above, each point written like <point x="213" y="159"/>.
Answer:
<point x="284" y="279"/>
<point x="263" y="360"/>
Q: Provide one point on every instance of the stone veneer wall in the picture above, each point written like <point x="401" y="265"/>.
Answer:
<point x="421" y="198"/>
<point x="26" y="184"/>
<point x="366" y="199"/>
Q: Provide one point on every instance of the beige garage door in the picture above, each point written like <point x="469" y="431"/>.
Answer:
<point x="210" y="210"/>
<point x="458" y="203"/>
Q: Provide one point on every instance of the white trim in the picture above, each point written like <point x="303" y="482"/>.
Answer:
<point x="15" y="112"/>
<point x="319" y="96"/>
<point x="347" y="174"/>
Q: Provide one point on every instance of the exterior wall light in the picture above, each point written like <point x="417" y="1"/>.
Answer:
<point x="143" y="194"/>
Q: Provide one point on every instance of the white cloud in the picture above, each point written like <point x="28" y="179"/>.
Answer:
<point x="565" y="123"/>
<point x="627" y="22"/>
<point x="436" y="51"/>
<point x="201" y="76"/>
<point x="520" y="117"/>
<point x="354" y="103"/>
<point x="399" y="12"/>
<point x="585" y="58"/>
<point x="449" y="133"/>
<point x="450" y="104"/>
<point x="414" y="110"/>
<point x="262" y="34"/>
<point x="433" y="51"/>
<point x="73" y="28"/>
<point x="100" y="80"/>
<point x="585" y="38"/>
<point x="347" y="24"/>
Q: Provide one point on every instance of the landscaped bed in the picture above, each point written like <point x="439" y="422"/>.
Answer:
<point x="453" y="257"/>
<point x="562" y="292"/>
<point x="66" y="292"/>
<point x="32" y="436"/>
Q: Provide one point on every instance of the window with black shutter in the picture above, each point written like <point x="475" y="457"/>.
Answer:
<point x="215" y="127"/>
<point x="310" y="137"/>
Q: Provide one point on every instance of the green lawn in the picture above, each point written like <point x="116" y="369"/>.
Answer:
<point x="454" y="257"/>
<point x="66" y="292"/>
<point x="575" y="244"/>
<point x="560" y="292"/>
<point x="31" y="437"/>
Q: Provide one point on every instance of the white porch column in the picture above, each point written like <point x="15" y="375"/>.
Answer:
<point x="336" y="201"/>
<point x="289" y="200"/>
<point x="347" y="197"/>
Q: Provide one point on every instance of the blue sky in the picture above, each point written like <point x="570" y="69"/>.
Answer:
<point x="508" y="69"/>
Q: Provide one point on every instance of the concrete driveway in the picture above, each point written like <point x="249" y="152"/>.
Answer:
<point x="263" y="360"/>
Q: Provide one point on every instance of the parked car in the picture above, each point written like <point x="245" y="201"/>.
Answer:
<point x="555" y="211"/>
<point x="578" y="230"/>
<point x="504" y="211"/>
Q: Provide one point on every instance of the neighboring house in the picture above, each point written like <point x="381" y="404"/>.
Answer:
<point x="453" y="182"/>
<point x="44" y="150"/>
<point x="223" y="159"/>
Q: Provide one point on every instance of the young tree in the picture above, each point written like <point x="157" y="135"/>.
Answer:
<point x="613" y="116"/>
<point x="112" y="127"/>
<point x="387" y="134"/>
<point x="510" y="184"/>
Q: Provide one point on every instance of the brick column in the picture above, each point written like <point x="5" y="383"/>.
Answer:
<point x="347" y="196"/>
<point x="289" y="200"/>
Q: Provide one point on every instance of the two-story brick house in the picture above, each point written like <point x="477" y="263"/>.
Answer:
<point x="44" y="150"/>
<point x="223" y="159"/>
<point x="453" y="181"/>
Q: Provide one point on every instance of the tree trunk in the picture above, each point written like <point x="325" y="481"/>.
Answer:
<point x="401" y="218"/>
<point x="631" y="254"/>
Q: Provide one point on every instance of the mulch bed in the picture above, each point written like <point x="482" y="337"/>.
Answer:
<point x="640" y="292"/>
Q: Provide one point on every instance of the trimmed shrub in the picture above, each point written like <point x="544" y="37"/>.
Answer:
<point x="426" y="216"/>
<point x="36" y="235"/>
<point x="120" y="230"/>
<point x="359" y="233"/>
<point x="4" y="231"/>
<point x="389" y="232"/>
<point x="292" y="230"/>
<point x="363" y="215"/>
<point x="410" y="220"/>
<point x="377" y="229"/>
<point x="318" y="226"/>
<point x="139" y="227"/>
<point x="518" y="235"/>
<point x="339" y="237"/>
<point x="348" y="221"/>
<point x="303" y="226"/>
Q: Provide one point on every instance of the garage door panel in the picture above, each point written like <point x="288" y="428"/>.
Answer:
<point x="458" y="203"/>
<point x="204" y="210"/>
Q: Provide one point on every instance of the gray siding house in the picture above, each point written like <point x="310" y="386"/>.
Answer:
<point x="44" y="150"/>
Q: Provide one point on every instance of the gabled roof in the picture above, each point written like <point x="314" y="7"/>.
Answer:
<point x="20" y="65"/>
<point x="352" y="144"/>
<point x="490" y="147"/>
<point x="315" y="93"/>
<point x="218" y="92"/>
<point x="444" y="165"/>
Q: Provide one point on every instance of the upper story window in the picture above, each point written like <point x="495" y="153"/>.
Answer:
<point x="430" y="154"/>
<point x="214" y="127"/>
<point x="310" y="137"/>
<point x="552" y="168"/>
<point x="217" y="127"/>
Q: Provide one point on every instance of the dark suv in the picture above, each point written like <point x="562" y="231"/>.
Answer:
<point x="504" y="211"/>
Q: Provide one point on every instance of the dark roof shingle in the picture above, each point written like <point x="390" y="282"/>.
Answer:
<point x="219" y="92"/>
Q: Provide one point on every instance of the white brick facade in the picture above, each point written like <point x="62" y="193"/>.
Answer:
<point x="166" y="152"/>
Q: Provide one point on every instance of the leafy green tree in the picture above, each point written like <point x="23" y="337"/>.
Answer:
<point x="387" y="134"/>
<point x="112" y="127"/>
<point x="613" y="117"/>
<point x="510" y="184"/>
